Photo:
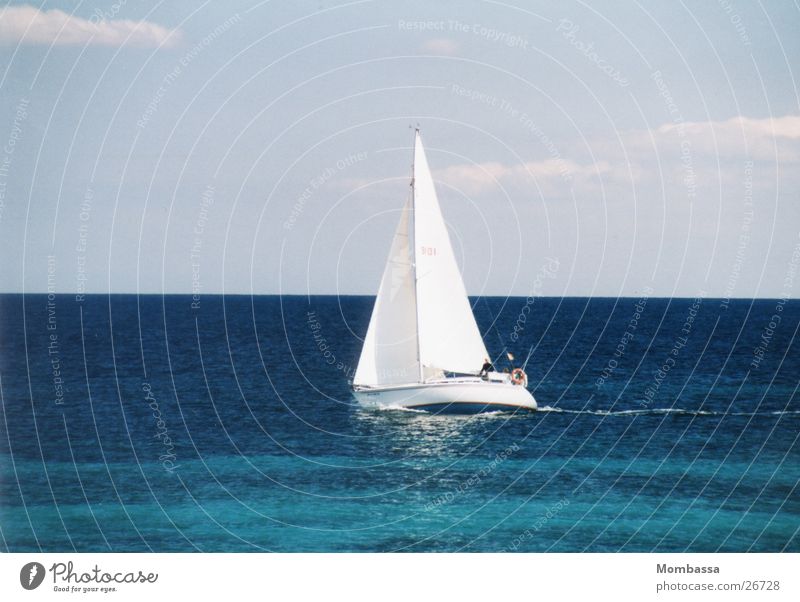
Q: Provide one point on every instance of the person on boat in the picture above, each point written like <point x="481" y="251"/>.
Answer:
<point x="486" y="368"/>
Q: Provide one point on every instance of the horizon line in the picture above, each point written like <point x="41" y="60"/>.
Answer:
<point x="206" y="295"/>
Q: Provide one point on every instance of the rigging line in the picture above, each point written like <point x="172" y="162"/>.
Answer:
<point x="530" y="352"/>
<point x="496" y="330"/>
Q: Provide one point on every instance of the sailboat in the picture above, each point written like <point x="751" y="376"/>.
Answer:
<point x="423" y="349"/>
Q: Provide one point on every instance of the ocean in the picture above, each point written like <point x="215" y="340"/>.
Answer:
<point x="225" y="423"/>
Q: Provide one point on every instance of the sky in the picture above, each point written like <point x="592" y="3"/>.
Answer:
<point x="265" y="147"/>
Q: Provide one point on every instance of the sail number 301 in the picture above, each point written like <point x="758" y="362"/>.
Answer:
<point x="429" y="251"/>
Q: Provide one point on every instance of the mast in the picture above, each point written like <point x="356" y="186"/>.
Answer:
<point x="414" y="250"/>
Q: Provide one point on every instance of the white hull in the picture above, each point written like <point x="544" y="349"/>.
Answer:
<point x="456" y="395"/>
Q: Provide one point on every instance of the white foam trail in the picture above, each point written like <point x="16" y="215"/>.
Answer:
<point x="663" y="411"/>
<point x="383" y="408"/>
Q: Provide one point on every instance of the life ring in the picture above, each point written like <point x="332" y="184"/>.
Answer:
<point x="518" y="376"/>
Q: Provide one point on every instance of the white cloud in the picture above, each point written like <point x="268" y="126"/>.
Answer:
<point x="444" y="46"/>
<point x="550" y="175"/>
<point x="556" y="178"/>
<point x="712" y="153"/>
<point x="787" y="126"/>
<point x="646" y="162"/>
<point x="775" y="139"/>
<point x="29" y="25"/>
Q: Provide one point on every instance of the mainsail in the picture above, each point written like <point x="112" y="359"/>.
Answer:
<point x="390" y="352"/>
<point x="422" y="324"/>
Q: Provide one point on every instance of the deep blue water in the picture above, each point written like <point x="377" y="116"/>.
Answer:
<point x="261" y="448"/>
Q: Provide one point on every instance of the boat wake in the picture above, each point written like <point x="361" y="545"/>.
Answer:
<point x="391" y="408"/>
<point x="664" y="411"/>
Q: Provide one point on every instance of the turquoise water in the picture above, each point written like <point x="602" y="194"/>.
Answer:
<point x="260" y="446"/>
<point x="230" y="504"/>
